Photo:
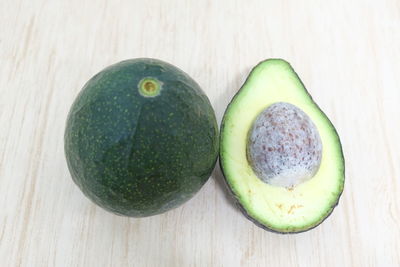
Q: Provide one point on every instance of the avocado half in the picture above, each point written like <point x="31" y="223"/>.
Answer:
<point x="297" y="204"/>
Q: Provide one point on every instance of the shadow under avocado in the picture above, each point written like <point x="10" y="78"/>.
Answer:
<point x="223" y="187"/>
<point x="220" y="104"/>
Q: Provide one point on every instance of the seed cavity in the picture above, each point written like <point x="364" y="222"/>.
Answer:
<point x="284" y="147"/>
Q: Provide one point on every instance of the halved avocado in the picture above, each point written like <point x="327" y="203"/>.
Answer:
<point x="280" y="155"/>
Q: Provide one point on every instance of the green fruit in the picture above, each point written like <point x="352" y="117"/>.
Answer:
<point x="280" y="154"/>
<point x="141" y="138"/>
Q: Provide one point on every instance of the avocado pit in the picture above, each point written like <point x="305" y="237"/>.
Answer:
<point x="284" y="147"/>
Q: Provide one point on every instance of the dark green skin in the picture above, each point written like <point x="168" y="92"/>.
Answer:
<point x="139" y="156"/>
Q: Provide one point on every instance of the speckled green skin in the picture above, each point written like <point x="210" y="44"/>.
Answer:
<point x="139" y="156"/>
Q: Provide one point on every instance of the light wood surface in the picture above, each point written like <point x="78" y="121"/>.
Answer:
<point x="346" y="52"/>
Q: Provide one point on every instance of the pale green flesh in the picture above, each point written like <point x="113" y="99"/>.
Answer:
<point x="278" y="208"/>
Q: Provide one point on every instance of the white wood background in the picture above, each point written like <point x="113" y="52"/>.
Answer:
<point x="346" y="52"/>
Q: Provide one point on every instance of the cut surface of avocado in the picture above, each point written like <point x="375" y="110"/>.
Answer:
<point x="280" y="154"/>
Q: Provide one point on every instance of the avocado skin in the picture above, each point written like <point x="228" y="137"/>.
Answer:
<point x="237" y="201"/>
<point x="139" y="156"/>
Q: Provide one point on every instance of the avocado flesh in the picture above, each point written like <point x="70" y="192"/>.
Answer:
<point x="277" y="208"/>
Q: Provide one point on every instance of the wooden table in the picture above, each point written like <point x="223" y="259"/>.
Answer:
<point x="346" y="52"/>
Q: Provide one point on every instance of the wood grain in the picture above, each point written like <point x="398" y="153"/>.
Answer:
<point x="347" y="53"/>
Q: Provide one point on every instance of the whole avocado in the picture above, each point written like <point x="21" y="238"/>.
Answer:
<point x="141" y="138"/>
